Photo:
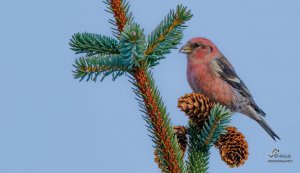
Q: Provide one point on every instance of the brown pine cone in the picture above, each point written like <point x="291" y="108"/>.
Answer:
<point x="196" y="106"/>
<point x="233" y="147"/>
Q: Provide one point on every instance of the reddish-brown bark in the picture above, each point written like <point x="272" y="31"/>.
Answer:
<point x="155" y="116"/>
<point x="119" y="14"/>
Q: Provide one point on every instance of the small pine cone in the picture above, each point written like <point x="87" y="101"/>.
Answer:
<point x="180" y="132"/>
<point x="233" y="147"/>
<point x="196" y="106"/>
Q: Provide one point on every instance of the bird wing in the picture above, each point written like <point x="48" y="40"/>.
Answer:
<point x="222" y="68"/>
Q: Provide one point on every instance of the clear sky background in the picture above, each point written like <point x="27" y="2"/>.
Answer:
<point x="51" y="123"/>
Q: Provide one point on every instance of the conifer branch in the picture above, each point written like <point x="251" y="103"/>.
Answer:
<point x="132" y="44"/>
<point x="121" y="12"/>
<point x="93" y="44"/>
<point x="167" y="146"/>
<point x="198" y="155"/>
<point x="198" y="161"/>
<point x="158" y="121"/>
<point x="215" y="126"/>
<point x="201" y="139"/>
<point x="167" y="34"/>
<point x="99" y="66"/>
<point x="131" y="57"/>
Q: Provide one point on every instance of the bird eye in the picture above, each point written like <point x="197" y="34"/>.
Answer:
<point x="195" y="45"/>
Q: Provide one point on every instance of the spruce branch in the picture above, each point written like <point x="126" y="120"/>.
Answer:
<point x="215" y="126"/>
<point x="198" y="155"/>
<point x="130" y="56"/>
<point x="198" y="161"/>
<point x="167" y="34"/>
<point x="202" y="134"/>
<point x="121" y="12"/>
<point x="93" y="44"/>
<point x="96" y="66"/>
<point x="158" y="121"/>
<point x="181" y="133"/>
<point x="149" y="100"/>
<point x="132" y="44"/>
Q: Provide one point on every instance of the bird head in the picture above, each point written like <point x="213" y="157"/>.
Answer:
<point x="199" y="47"/>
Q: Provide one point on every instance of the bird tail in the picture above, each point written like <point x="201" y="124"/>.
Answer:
<point x="268" y="129"/>
<point x="257" y="117"/>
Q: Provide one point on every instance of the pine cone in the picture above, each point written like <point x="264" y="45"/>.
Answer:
<point x="196" y="106"/>
<point x="233" y="147"/>
<point x="181" y="134"/>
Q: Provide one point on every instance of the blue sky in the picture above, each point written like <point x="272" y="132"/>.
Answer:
<point x="51" y="123"/>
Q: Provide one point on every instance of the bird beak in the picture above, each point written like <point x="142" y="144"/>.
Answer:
<point x="186" y="49"/>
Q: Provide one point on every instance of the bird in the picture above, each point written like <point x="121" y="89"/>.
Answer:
<point x="210" y="73"/>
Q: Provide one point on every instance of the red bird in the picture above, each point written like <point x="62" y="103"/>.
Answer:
<point x="210" y="73"/>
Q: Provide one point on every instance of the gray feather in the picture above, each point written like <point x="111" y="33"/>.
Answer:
<point x="250" y="112"/>
<point x="225" y="70"/>
<point x="268" y="129"/>
<point x="246" y="105"/>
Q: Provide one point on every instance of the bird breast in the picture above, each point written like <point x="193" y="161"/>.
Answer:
<point x="202" y="80"/>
